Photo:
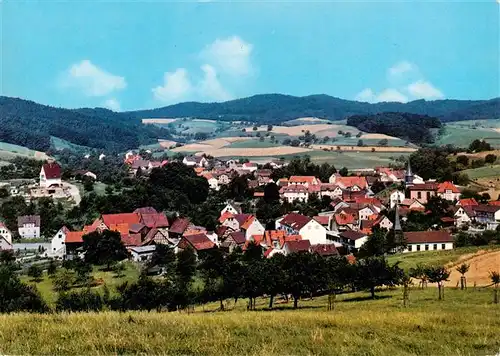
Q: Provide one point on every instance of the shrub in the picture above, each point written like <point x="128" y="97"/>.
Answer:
<point x="76" y="301"/>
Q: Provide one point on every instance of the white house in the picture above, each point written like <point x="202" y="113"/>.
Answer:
<point x="351" y="239"/>
<point x="366" y="212"/>
<point x="396" y="197"/>
<point x="50" y="175"/>
<point x="230" y="208"/>
<point x="4" y="244"/>
<point x="292" y="193"/>
<point x="213" y="183"/>
<point x="428" y="240"/>
<point x="308" y="228"/>
<point x="102" y="156"/>
<point x="29" y="226"/>
<point x="448" y="191"/>
<point x="247" y="223"/>
<point x="5" y="233"/>
<point x="331" y="190"/>
<point x="197" y="161"/>
<point x="142" y="253"/>
<point x="57" y="245"/>
<point x="464" y="215"/>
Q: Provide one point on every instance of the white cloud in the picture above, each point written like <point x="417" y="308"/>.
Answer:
<point x="176" y="86"/>
<point x="422" y="89"/>
<point x="92" y="80"/>
<point x="230" y="55"/>
<point x="112" y="104"/>
<point x="390" y="94"/>
<point x="210" y="86"/>
<point x="401" y="68"/>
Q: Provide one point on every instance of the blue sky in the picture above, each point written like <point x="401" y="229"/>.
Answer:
<point x="143" y="54"/>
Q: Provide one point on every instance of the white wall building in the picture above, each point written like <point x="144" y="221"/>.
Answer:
<point x="29" y="226"/>
<point x="57" y="244"/>
<point x="428" y="241"/>
<point x="5" y="233"/>
<point x="308" y="228"/>
<point x="396" y="197"/>
<point x="50" y="175"/>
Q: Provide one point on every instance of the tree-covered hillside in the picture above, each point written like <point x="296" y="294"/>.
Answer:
<point x="277" y="108"/>
<point x="29" y="124"/>
<point x="411" y="127"/>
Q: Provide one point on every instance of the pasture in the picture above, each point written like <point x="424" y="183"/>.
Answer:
<point x="465" y="323"/>
<point x="460" y="135"/>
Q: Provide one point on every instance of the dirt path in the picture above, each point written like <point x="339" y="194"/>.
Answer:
<point x="480" y="264"/>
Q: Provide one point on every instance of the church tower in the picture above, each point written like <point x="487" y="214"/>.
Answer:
<point x="408" y="175"/>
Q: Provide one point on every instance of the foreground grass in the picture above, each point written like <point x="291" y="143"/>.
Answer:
<point x="411" y="259"/>
<point x="463" y="324"/>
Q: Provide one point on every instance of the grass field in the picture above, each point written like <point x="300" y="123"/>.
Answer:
<point x="483" y="172"/>
<point x="9" y="151"/>
<point x="447" y="257"/>
<point x="60" y="144"/>
<point x="461" y="136"/>
<point x="465" y="323"/>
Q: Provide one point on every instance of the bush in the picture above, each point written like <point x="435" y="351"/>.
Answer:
<point x="491" y="158"/>
<point x="79" y="301"/>
<point x="35" y="272"/>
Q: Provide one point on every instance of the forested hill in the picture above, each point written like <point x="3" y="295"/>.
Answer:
<point x="410" y="127"/>
<point x="276" y="108"/>
<point x="29" y="124"/>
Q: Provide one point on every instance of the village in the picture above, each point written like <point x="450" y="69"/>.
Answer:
<point x="354" y="212"/>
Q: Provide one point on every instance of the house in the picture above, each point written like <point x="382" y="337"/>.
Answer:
<point x="247" y="223"/>
<point x="428" y="240"/>
<point x="177" y="229"/>
<point x="197" y="161"/>
<point x="29" y="226"/>
<point x="396" y="197"/>
<point x="139" y="164"/>
<point x="306" y="181"/>
<point x="338" y="204"/>
<point x="151" y="220"/>
<point x="233" y="240"/>
<point x="250" y="166"/>
<point x="142" y="253"/>
<point x="448" y="191"/>
<point x="344" y="219"/>
<point x="324" y="250"/>
<point x="308" y="228"/>
<point x="4" y="244"/>
<point x="464" y="215"/>
<point x="50" y="175"/>
<point x="73" y="243"/>
<point x="467" y="202"/>
<point x="5" y="233"/>
<point x="352" y="240"/>
<point x="388" y="175"/>
<point x="292" y="193"/>
<point x="231" y="208"/>
<point x="84" y="173"/>
<point x="354" y="183"/>
<point x="156" y="236"/>
<point x="330" y="190"/>
<point x="198" y="242"/>
<point x="296" y="246"/>
<point x="423" y="192"/>
<point x="58" y="243"/>
<point x="487" y="214"/>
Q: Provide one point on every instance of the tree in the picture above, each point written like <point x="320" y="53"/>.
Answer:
<point x="164" y="256"/>
<point x="35" y="272"/>
<point x="104" y="247"/>
<point x="344" y="172"/>
<point x="7" y="257"/>
<point x="372" y="272"/>
<point x="269" y="127"/>
<point x="375" y="245"/>
<point x="360" y="143"/>
<point x="383" y="142"/>
<point x="463" y="269"/>
<point x="490" y="158"/>
<point x="52" y="268"/>
<point x="495" y="280"/>
<point x="437" y="274"/>
<point x="185" y="267"/>
<point x="17" y="296"/>
<point x="63" y="280"/>
<point x="463" y="160"/>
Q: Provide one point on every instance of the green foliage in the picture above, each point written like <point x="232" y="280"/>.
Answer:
<point x="410" y="127"/>
<point x="305" y="167"/>
<point x="490" y="158"/>
<point x="79" y="301"/>
<point x="479" y="146"/>
<point x="372" y="272"/>
<point x="17" y="296"/>
<point x="103" y="248"/>
<point x="63" y="280"/>
<point x="35" y="272"/>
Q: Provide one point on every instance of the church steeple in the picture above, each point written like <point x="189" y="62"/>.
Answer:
<point x="397" y="222"/>
<point x="409" y="175"/>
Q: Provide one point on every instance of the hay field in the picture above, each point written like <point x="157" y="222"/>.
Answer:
<point x="465" y="323"/>
<point x="378" y="136"/>
<point x="364" y="148"/>
<point x="212" y="144"/>
<point x="480" y="264"/>
<point x="166" y="143"/>
<point x="296" y="130"/>
<point x="158" y="121"/>
<point x="253" y="152"/>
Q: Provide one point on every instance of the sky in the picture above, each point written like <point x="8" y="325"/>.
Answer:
<point x="142" y="54"/>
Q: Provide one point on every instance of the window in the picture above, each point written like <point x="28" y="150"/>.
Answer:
<point x="428" y="195"/>
<point x="410" y="247"/>
<point x="443" y="246"/>
<point x="418" y="247"/>
<point x="435" y="247"/>
<point x="419" y="195"/>
<point x="427" y="247"/>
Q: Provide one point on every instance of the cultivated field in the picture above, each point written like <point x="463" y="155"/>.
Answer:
<point x="480" y="264"/>
<point x="364" y="148"/>
<point x="254" y="152"/>
<point x="158" y="121"/>
<point x="465" y="323"/>
<point x="462" y="133"/>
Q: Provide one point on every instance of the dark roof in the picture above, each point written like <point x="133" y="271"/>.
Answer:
<point x="221" y="230"/>
<point x="324" y="249"/>
<point x="295" y="221"/>
<point x="135" y="228"/>
<point x="241" y="218"/>
<point x="425" y="186"/>
<point x="238" y="237"/>
<point x="155" y="220"/>
<point x="145" y="210"/>
<point x="486" y="208"/>
<point x="297" y="246"/>
<point x="428" y="236"/>
<point x="199" y="242"/>
<point x="140" y="163"/>
<point x="28" y="219"/>
<point x="179" y="225"/>
<point x="52" y="170"/>
<point x="352" y="235"/>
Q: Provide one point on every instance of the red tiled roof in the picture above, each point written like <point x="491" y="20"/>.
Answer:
<point x="224" y="216"/>
<point x="154" y="220"/>
<point x="248" y="222"/>
<point x="344" y="219"/>
<point x="273" y="235"/>
<point x="302" y="179"/>
<point x="268" y="252"/>
<point x="131" y="239"/>
<point x="324" y="249"/>
<point x="443" y="187"/>
<point x="295" y="221"/>
<point x="323" y="220"/>
<point x="238" y="237"/>
<point x="123" y="229"/>
<point x="298" y="246"/>
<point x="468" y="202"/>
<point x="52" y="170"/>
<point x="258" y="194"/>
<point x="243" y="218"/>
<point x="124" y="218"/>
<point x="199" y="242"/>
<point x="486" y="208"/>
<point x="136" y="228"/>
<point x="221" y="230"/>
<point x="145" y="210"/>
<point x="74" y="237"/>
<point x="424" y="186"/>
<point x="179" y="225"/>
<point x="349" y="182"/>
<point x="428" y="236"/>
<point x="151" y="235"/>
<point x="494" y="203"/>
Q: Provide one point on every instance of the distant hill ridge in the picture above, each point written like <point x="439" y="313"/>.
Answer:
<point x="30" y="124"/>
